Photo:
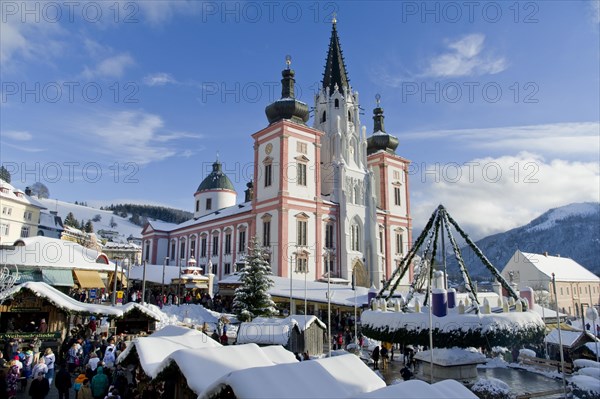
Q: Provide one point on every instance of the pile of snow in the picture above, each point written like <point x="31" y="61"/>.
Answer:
<point x="591" y="372"/>
<point x="581" y="363"/>
<point x="585" y="386"/>
<point x="527" y="352"/>
<point x="197" y="315"/>
<point x="492" y="387"/>
<point x="417" y="389"/>
<point x="452" y="356"/>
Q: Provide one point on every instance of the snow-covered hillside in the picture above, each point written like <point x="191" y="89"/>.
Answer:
<point x="124" y="227"/>
<point x="572" y="231"/>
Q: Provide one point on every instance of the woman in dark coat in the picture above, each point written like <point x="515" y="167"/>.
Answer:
<point x="63" y="383"/>
<point x="39" y="387"/>
<point x="375" y="357"/>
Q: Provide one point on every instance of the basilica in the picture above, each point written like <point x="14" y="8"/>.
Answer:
<point x="326" y="199"/>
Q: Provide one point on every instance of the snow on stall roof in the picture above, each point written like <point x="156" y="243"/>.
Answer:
<point x="568" y="337"/>
<point x="154" y="349"/>
<point x="154" y="273"/>
<point x="453" y="321"/>
<point x="214" y="363"/>
<point x="274" y="331"/>
<point x="46" y="252"/>
<point x="61" y="300"/>
<point x="581" y="363"/>
<point x="341" y="294"/>
<point x="452" y="356"/>
<point x="278" y="354"/>
<point x="343" y="376"/>
<point x="593" y="347"/>
<point x="417" y="389"/>
<point x="564" y="269"/>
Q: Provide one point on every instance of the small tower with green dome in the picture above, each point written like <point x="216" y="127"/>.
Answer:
<point x="215" y="192"/>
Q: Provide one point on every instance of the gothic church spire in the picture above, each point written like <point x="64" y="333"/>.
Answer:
<point x="335" y="68"/>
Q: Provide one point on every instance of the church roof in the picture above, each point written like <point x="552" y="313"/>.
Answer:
<point x="216" y="180"/>
<point x="287" y="107"/>
<point x="335" y="68"/>
<point x="380" y="140"/>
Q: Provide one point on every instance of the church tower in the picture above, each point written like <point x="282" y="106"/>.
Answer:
<point x="345" y="177"/>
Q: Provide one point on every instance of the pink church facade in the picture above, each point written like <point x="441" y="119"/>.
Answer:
<point x="322" y="198"/>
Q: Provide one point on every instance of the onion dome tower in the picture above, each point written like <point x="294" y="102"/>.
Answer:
<point x="215" y="192"/>
<point x="380" y="140"/>
<point x="287" y="107"/>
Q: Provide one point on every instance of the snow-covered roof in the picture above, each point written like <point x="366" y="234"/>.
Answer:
<point x="154" y="349"/>
<point x="344" y="376"/>
<point x="274" y="331"/>
<point x="417" y="389"/>
<point x="452" y="356"/>
<point x="154" y="273"/>
<point x="50" y="221"/>
<point x="214" y="363"/>
<point x="315" y="291"/>
<point x="564" y="269"/>
<point x="63" y="301"/>
<point x="122" y="245"/>
<point x="46" y="252"/>
<point x="218" y="214"/>
<point x="569" y="338"/>
<point x="8" y="191"/>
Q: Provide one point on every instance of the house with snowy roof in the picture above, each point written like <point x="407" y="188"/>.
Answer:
<point x="20" y="213"/>
<point x="571" y="342"/>
<point x="51" y="225"/>
<point x="297" y="333"/>
<point x="575" y="285"/>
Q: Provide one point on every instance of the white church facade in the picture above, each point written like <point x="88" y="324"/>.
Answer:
<point x="323" y="198"/>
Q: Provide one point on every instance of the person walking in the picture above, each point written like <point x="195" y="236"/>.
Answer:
<point x="375" y="357"/>
<point x="99" y="385"/>
<point x="49" y="359"/>
<point x="39" y="387"/>
<point x="85" y="392"/>
<point x="63" y="383"/>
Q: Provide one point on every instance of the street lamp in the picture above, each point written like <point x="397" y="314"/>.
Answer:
<point x="328" y="274"/>
<point x="114" y="293"/>
<point x="162" y="291"/>
<point x="127" y="264"/>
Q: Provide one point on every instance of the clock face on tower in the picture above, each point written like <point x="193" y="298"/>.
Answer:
<point x="269" y="148"/>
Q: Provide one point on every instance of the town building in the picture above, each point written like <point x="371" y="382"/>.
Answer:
<point x="19" y="214"/>
<point x="325" y="198"/>
<point x="575" y="285"/>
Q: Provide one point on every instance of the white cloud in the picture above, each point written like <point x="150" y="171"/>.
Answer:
<point x="594" y="6"/>
<point x="160" y="11"/>
<point x="134" y="136"/>
<point x="19" y="135"/>
<point x="558" y="139"/>
<point x="465" y="58"/>
<point x="159" y="79"/>
<point x="28" y="41"/>
<point x="111" y="67"/>
<point x="491" y="195"/>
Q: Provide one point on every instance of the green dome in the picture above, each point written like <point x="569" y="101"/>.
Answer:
<point x="216" y="180"/>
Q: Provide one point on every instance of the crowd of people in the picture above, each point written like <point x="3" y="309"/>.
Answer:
<point x="85" y="363"/>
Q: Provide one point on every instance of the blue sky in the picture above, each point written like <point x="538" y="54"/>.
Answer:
<point x="496" y="103"/>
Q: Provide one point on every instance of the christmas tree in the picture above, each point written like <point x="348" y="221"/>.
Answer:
<point x="252" y="298"/>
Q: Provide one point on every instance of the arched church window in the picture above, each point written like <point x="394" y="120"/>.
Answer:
<point x="336" y="103"/>
<point x="324" y="117"/>
<point x="349" y="116"/>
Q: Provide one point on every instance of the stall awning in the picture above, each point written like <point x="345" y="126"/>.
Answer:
<point x="89" y="279"/>
<point x="58" y="277"/>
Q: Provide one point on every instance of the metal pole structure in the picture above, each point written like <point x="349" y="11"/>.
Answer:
<point x="179" y="285"/>
<point x="355" y="308"/>
<point x="128" y="270"/>
<point x="543" y="301"/>
<point x="291" y="258"/>
<point x="444" y="258"/>
<point x="594" y="318"/>
<point x="162" y="291"/>
<point x="144" y="285"/>
<point x="562" y="356"/>
<point x="114" y="293"/>
<point x="329" y="300"/>
<point x="430" y="303"/>
<point x="305" y="304"/>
